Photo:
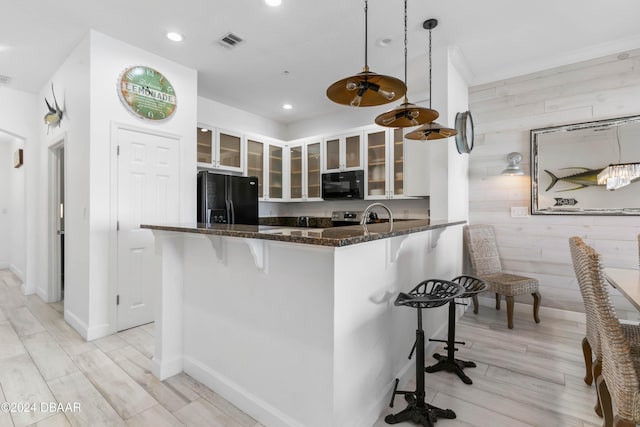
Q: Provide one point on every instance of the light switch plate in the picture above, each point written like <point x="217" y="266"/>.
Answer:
<point x="519" y="211"/>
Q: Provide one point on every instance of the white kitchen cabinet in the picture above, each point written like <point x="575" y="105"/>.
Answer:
<point x="255" y="162"/>
<point x="220" y="149"/>
<point x="343" y="152"/>
<point x="304" y="171"/>
<point x="385" y="163"/>
<point x="265" y="159"/>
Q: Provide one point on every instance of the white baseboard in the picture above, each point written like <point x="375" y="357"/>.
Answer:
<point x="42" y="293"/>
<point x="544" y="311"/>
<point x="165" y="369"/>
<point x="95" y="332"/>
<point x="19" y="273"/>
<point x="240" y="397"/>
<point x="76" y="323"/>
<point x="88" y="333"/>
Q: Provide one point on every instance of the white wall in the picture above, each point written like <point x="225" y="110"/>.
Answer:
<point x="449" y="169"/>
<point x="504" y="112"/>
<point x="19" y="117"/>
<point x="214" y="113"/>
<point x="109" y="57"/>
<point x="71" y="86"/>
<point x="6" y="164"/>
<point x="86" y="83"/>
<point x="17" y="217"/>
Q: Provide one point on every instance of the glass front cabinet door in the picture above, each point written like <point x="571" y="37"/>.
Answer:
<point x="313" y="166"/>
<point x="384" y="156"/>
<point x="275" y="173"/>
<point x="255" y="163"/>
<point x="304" y="171"/>
<point x="343" y="152"/>
<point x="219" y="149"/>
<point x="296" y="173"/>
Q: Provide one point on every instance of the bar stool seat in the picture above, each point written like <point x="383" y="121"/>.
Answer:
<point x="472" y="286"/>
<point x="428" y="294"/>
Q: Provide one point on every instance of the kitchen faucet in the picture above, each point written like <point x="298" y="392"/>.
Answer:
<point x="367" y="211"/>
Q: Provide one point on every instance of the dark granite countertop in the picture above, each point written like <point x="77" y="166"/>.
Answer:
<point x="333" y="236"/>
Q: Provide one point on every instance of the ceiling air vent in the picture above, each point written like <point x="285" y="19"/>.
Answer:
<point x="4" y="80"/>
<point x="230" y="40"/>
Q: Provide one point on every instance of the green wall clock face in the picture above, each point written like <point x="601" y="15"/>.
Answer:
<point x="147" y="93"/>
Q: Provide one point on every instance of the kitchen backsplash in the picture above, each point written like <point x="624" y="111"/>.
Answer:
<point x="414" y="208"/>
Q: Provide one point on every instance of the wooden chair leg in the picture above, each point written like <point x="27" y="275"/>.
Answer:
<point x="497" y="301"/>
<point x="605" y="401"/>
<point x="588" y="361"/>
<point x="510" y="301"/>
<point x="621" y="422"/>
<point x="597" y="373"/>
<point x="536" y="306"/>
<point x="475" y="303"/>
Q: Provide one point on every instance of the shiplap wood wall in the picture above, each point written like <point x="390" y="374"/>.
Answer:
<point x="504" y="112"/>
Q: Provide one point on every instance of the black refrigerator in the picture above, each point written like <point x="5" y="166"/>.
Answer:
<point x="227" y="199"/>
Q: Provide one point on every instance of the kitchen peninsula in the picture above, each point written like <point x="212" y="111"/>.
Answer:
<point x="296" y="326"/>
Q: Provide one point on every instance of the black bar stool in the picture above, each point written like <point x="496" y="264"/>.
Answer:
<point x="472" y="286"/>
<point x="428" y="294"/>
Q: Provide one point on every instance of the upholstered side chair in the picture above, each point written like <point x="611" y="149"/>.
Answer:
<point x="483" y="252"/>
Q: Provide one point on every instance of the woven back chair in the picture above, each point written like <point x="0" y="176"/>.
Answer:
<point x="619" y="377"/>
<point x="591" y="342"/>
<point x="483" y="252"/>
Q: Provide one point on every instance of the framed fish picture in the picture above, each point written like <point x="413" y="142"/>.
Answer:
<point x="588" y="168"/>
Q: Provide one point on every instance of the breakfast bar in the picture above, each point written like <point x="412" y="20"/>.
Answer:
<point x="296" y="326"/>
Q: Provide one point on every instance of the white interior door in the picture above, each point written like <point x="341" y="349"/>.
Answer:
<point x="148" y="183"/>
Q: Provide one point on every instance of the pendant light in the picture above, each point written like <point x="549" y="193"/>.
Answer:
<point x="406" y="114"/>
<point x="433" y="130"/>
<point x="367" y="88"/>
<point x="618" y="175"/>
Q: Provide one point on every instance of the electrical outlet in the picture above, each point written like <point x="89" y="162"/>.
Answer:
<point x="519" y="211"/>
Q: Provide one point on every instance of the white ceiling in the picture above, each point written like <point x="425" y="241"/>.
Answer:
<point x="316" y="41"/>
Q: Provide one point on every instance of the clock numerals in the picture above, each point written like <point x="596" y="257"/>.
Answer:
<point x="147" y="93"/>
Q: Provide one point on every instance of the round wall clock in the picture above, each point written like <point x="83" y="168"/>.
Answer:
<point x="147" y="93"/>
<point x="464" y="138"/>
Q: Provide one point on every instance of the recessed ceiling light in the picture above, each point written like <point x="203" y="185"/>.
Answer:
<point x="203" y="130"/>
<point x="287" y="106"/>
<point x="273" y="3"/>
<point x="384" y="41"/>
<point x="175" y="37"/>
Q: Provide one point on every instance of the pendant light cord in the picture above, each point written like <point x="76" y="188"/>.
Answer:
<point x="405" y="43"/>
<point x="430" y="96"/>
<point x="366" y="29"/>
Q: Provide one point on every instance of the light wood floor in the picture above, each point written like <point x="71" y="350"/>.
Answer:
<point x="528" y="376"/>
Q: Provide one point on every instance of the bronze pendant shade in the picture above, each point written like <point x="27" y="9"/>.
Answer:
<point x="366" y="89"/>
<point x="430" y="131"/>
<point x="406" y="114"/>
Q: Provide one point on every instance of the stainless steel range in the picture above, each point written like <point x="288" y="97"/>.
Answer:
<point x="341" y="218"/>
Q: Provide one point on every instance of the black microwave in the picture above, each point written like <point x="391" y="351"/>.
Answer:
<point x="343" y="185"/>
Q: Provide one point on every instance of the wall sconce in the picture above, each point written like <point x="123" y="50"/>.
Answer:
<point x="18" y="158"/>
<point x="513" y="168"/>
